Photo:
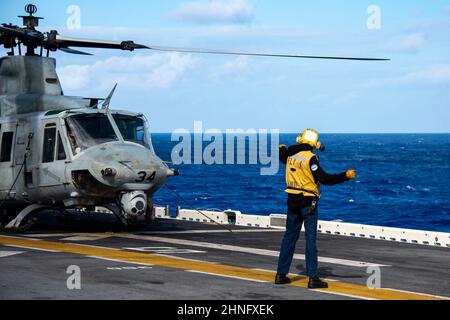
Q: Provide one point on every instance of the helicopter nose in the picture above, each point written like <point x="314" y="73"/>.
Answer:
<point x="125" y="166"/>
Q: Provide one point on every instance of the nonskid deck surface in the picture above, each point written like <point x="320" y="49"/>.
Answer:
<point x="185" y="260"/>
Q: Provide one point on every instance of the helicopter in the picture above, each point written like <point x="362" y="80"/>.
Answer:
<point x="65" y="153"/>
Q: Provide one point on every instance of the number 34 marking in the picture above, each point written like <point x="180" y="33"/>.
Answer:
<point x="144" y="176"/>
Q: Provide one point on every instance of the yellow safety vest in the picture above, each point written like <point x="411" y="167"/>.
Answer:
<point x="299" y="178"/>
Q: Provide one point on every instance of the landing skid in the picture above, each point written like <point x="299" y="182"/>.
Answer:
<point x="21" y="224"/>
<point x="117" y="212"/>
<point x="15" y="224"/>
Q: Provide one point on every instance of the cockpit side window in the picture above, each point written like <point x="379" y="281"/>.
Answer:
<point x="61" y="153"/>
<point x="72" y="140"/>
<point x="48" y="151"/>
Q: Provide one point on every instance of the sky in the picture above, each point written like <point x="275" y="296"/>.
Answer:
<point x="409" y="94"/>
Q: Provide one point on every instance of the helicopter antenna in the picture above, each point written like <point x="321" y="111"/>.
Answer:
<point x="30" y="21"/>
<point x="105" y="104"/>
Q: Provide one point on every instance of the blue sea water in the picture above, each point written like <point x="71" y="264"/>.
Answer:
<point x="402" y="181"/>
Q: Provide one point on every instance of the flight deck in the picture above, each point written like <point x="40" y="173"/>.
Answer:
<point x="176" y="259"/>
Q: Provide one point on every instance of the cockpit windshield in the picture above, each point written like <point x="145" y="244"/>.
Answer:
<point x="132" y="129"/>
<point x="89" y="129"/>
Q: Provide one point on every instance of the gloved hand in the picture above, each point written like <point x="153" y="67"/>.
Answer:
<point x="282" y="146"/>
<point x="351" y="174"/>
<point x="320" y="146"/>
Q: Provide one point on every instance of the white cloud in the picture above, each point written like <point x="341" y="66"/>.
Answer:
<point x="158" y="71"/>
<point x="189" y="33"/>
<point x="434" y="74"/>
<point x="74" y="77"/>
<point x="408" y="43"/>
<point x="236" y="67"/>
<point x="216" y="12"/>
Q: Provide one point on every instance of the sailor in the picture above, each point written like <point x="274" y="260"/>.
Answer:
<point x="304" y="175"/>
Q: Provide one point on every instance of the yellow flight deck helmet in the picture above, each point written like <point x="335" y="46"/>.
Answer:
<point x="309" y="136"/>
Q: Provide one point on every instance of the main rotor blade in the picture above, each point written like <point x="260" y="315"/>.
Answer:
<point x="89" y="43"/>
<point x="65" y="42"/>
<point x="261" y="54"/>
<point x="73" y="51"/>
<point x="13" y="31"/>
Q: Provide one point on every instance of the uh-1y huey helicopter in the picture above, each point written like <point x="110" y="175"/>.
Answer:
<point x="59" y="152"/>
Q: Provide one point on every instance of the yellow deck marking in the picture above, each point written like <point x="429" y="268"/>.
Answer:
<point x="335" y="287"/>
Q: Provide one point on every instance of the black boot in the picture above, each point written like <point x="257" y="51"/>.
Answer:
<point x="316" y="283"/>
<point x="282" y="279"/>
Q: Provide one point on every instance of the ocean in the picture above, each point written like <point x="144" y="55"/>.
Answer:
<point x="402" y="181"/>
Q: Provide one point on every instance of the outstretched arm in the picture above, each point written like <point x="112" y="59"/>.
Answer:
<point x="324" y="178"/>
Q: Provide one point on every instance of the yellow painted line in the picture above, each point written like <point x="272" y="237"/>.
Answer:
<point x="209" y="268"/>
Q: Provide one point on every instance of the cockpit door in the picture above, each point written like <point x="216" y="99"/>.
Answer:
<point x="53" y="156"/>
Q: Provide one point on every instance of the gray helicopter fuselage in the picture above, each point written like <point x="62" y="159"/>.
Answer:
<point x="64" y="151"/>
